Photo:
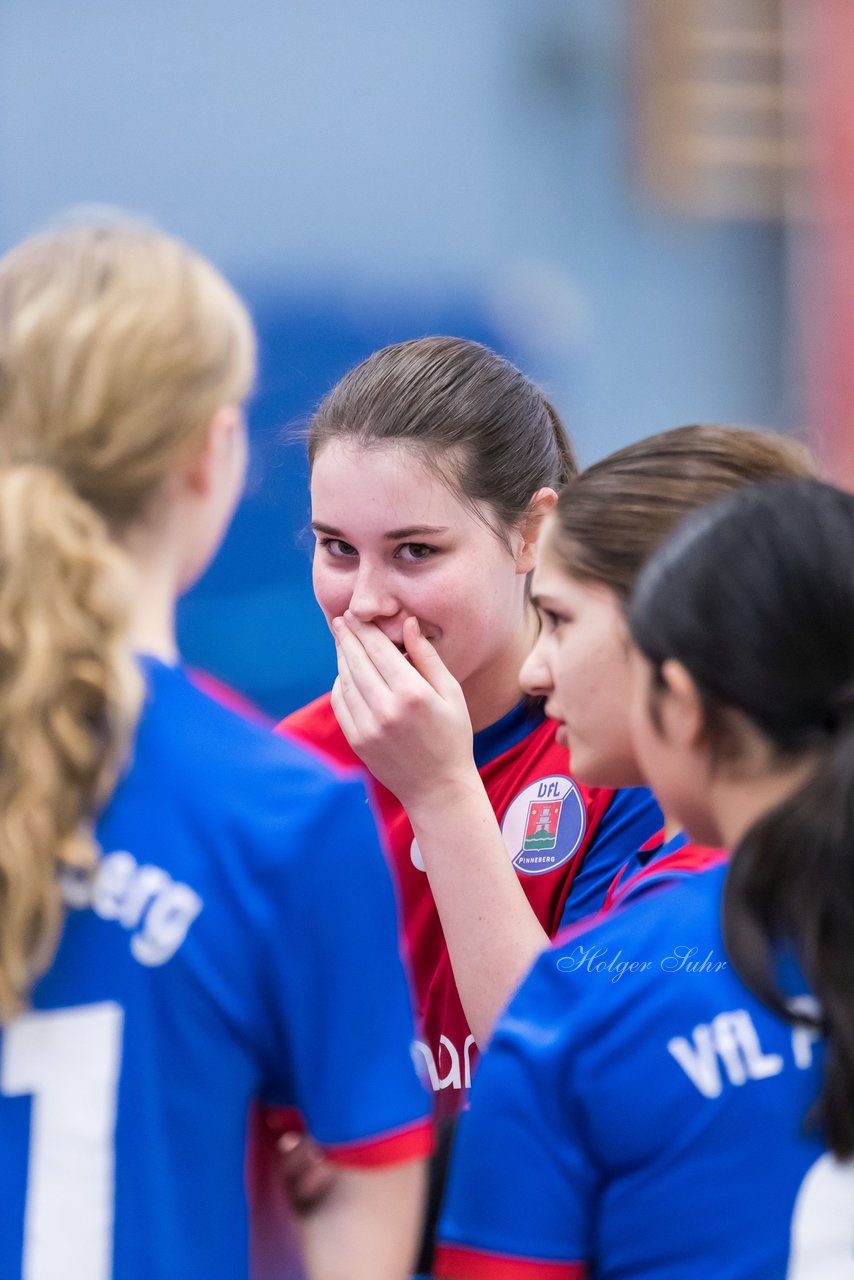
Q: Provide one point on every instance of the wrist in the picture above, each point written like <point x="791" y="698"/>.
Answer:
<point x="461" y="794"/>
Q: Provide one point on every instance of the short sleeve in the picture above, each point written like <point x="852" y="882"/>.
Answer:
<point x="341" y="1026"/>
<point x="520" y="1198"/>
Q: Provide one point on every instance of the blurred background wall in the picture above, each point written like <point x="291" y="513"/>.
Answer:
<point x="370" y="170"/>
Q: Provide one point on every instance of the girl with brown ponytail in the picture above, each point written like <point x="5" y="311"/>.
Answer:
<point x="164" y="941"/>
<point x="676" y="1082"/>
<point x="433" y="466"/>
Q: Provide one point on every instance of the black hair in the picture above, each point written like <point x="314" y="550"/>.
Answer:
<point x="754" y="596"/>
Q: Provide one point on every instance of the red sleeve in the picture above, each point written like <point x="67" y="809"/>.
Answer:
<point x="456" y="1263"/>
<point x="413" y="1142"/>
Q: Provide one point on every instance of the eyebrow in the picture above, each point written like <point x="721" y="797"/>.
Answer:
<point x="542" y="600"/>
<point x="393" y="535"/>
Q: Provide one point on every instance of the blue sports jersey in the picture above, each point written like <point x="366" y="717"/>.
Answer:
<point x="240" y="918"/>
<point x="641" y="1114"/>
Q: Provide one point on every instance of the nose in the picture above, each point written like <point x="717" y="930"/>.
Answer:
<point x="535" y="676"/>
<point x="372" y="596"/>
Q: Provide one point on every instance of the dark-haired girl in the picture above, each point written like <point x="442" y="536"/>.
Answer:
<point x="675" y="1083"/>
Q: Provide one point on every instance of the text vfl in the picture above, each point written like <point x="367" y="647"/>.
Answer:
<point x="727" y="1049"/>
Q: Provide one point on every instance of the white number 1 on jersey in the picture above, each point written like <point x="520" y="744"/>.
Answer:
<point x="69" y="1060"/>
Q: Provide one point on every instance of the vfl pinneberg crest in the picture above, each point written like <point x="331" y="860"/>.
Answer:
<point x="544" y="825"/>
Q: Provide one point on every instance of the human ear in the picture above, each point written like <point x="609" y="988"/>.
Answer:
<point x="530" y="527"/>
<point x="214" y="451"/>
<point x="680" y="706"/>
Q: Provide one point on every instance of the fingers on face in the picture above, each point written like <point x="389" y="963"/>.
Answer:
<point x="362" y="702"/>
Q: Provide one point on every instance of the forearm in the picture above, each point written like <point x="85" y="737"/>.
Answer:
<point x="493" y="935"/>
<point x="367" y="1226"/>
<point x="409" y="723"/>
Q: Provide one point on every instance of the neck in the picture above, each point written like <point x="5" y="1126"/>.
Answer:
<point x="152" y="618"/>
<point x="671" y="828"/>
<point x="740" y="802"/>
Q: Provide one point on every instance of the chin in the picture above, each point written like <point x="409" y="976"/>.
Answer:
<point x="594" y="771"/>
<point x="581" y="766"/>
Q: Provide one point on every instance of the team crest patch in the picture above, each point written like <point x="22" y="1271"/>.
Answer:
<point x="544" y="825"/>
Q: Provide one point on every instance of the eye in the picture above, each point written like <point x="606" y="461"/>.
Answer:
<point x="551" y="620"/>
<point x="412" y="552"/>
<point x="337" y="548"/>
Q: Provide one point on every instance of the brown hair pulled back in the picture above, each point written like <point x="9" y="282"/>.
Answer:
<point x="613" y="515"/>
<point x="469" y="414"/>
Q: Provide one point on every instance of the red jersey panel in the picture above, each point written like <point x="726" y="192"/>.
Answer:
<point x="548" y="822"/>
<point x="660" y="862"/>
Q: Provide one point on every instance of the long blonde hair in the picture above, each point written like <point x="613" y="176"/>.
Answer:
<point x="118" y="344"/>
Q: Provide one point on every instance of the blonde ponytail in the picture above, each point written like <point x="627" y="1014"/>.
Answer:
<point x="118" y="345"/>
<point x="69" y="696"/>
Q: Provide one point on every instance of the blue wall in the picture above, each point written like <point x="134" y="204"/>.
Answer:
<point x="373" y="170"/>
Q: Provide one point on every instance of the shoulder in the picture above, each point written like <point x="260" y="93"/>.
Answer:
<point x="315" y="727"/>
<point x="521" y="741"/>
<point x="185" y="720"/>
<point x="203" y="764"/>
<point x="607" y="968"/>
<point x="696" y="902"/>
<point x="314" y="718"/>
